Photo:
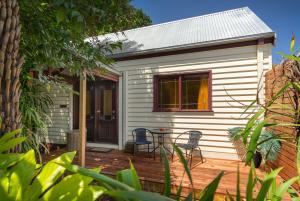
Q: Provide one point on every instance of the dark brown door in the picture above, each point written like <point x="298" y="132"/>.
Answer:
<point x="102" y="124"/>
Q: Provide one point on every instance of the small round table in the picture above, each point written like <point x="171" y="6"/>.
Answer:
<point x="161" y="138"/>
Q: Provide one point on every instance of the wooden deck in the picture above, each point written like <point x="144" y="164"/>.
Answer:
<point x="152" y="172"/>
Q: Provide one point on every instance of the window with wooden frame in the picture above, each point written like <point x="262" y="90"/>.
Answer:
<point x="183" y="92"/>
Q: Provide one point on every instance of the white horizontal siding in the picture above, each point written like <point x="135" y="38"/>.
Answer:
<point x="233" y="69"/>
<point x="61" y="120"/>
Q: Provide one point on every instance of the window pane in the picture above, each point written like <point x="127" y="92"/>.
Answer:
<point x="107" y="104"/>
<point x="195" y="92"/>
<point x="168" y="93"/>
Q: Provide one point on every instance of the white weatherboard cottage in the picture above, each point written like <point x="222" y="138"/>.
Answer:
<point x="175" y="75"/>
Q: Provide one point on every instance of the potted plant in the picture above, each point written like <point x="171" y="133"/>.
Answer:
<point x="268" y="147"/>
<point x="257" y="159"/>
<point x="235" y="136"/>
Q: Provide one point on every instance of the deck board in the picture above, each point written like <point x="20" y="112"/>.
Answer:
<point x="151" y="172"/>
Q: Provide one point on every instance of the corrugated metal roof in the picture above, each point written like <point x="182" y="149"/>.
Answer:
<point x="230" y="25"/>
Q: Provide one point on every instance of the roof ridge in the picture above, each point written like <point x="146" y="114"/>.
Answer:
<point x="185" y="19"/>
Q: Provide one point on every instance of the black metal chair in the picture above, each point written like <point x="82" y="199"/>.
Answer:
<point x="140" y="138"/>
<point x="191" y="145"/>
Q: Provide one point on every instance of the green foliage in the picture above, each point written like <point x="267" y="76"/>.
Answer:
<point x="167" y="174"/>
<point x="53" y="35"/>
<point x="235" y="133"/>
<point x="129" y="177"/>
<point x="35" y="103"/>
<point x="9" y="141"/>
<point x="254" y="139"/>
<point x="269" y="145"/>
<point x="109" y="182"/>
<point x="267" y="187"/>
<point x="250" y="184"/>
<point x="184" y="163"/>
<point x="251" y="134"/>
<point x="293" y="51"/>
<point x="257" y="138"/>
<point x="34" y="106"/>
<point x="266" y="184"/>
<point x="279" y="192"/>
<point x="53" y="32"/>
<point x="137" y="195"/>
<point x="21" y="178"/>
<point x="209" y="192"/>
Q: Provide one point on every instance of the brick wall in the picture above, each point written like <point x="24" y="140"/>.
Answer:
<point x="275" y="80"/>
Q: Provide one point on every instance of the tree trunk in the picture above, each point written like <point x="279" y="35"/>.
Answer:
<point x="10" y="65"/>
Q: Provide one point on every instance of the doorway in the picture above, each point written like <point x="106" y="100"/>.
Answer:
<point x="101" y="110"/>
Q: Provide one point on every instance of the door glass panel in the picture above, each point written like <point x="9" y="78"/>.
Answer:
<point x="107" y="104"/>
<point x="88" y="103"/>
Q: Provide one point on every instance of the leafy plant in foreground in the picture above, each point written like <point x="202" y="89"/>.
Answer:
<point x="21" y="178"/>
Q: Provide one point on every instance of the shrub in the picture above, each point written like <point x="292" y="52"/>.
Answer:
<point x="269" y="145"/>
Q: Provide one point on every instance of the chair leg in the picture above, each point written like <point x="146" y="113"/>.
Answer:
<point x="191" y="157"/>
<point x="148" y="150"/>
<point x="153" y="151"/>
<point x="133" y="153"/>
<point x="201" y="154"/>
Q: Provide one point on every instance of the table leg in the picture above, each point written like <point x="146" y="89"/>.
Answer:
<point x="161" y="143"/>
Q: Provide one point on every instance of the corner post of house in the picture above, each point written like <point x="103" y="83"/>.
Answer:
<point x="260" y="70"/>
<point x="120" y="113"/>
<point x="82" y="119"/>
<point x="125" y="107"/>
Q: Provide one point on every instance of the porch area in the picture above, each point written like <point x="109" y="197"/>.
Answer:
<point x="151" y="172"/>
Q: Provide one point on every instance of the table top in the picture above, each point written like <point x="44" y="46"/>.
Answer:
<point x="160" y="131"/>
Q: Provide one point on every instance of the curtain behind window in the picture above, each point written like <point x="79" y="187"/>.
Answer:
<point x="203" y="94"/>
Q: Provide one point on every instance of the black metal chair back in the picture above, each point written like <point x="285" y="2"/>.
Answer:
<point x="140" y="134"/>
<point x="191" y="145"/>
<point x="194" y="138"/>
<point x="140" y="138"/>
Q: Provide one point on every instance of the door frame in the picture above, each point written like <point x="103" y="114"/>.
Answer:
<point x="100" y="86"/>
<point x="119" y="107"/>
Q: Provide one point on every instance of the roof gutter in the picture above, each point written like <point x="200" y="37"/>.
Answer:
<point x="112" y="70"/>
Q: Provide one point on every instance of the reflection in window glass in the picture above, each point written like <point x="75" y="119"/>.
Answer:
<point x="195" y="92"/>
<point x="168" y="93"/>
